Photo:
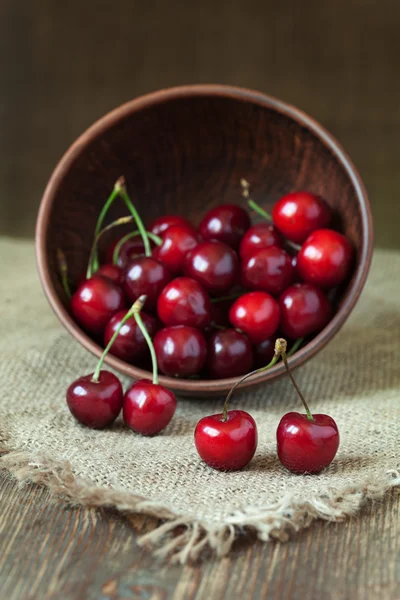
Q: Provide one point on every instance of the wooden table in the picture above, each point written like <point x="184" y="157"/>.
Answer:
<point x="50" y="551"/>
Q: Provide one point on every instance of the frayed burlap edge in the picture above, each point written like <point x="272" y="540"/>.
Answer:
<point x="182" y="538"/>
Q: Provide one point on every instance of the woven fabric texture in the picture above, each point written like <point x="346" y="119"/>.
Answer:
<point x="356" y="380"/>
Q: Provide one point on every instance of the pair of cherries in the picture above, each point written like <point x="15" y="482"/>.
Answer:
<point x="306" y="443"/>
<point x="96" y="400"/>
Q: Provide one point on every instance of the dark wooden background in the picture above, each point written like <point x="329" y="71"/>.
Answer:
<point x="63" y="65"/>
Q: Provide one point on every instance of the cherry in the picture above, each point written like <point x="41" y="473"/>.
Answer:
<point x="264" y="352"/>
<point x="298" y="214"/>
<point x="256" y="314"/>
<point x="214" y="264"/>
<point x="177" y="240"/>
<point x="98" y="403"/>
<point x="306" y="443"/>
<point x="229" y="354"/>
<point x="268" y="269"/>
<point x="226" y="223"/>
<point x="181" y="350"/>
<point x="296" y="275"/>
<point x="161" y="224"/>
<point x="146" y="276"/>
<point x="184" y="302"/>
<point x="113" y="272"/>
<point x="148" y="406"/>
<point x="304" y="310"/>
<point x="128" y="251"/>
<point x="129" y="345"/>
<point x="95" y="301"/>
<point x="261" y="235"/>
<point x="325" y="258"/>
<point x="95" y="400"/>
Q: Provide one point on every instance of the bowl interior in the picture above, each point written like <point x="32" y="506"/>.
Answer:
<point x="183" y="152"/>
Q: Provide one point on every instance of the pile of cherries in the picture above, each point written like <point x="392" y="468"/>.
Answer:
<point x="215" y="301"/>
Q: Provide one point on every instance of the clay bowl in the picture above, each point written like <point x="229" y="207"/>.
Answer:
<point x="184" y="150"/>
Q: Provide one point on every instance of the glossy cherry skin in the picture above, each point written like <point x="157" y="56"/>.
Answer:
<point x="215" y="265"/>
<point x="129" y="345"/>
<point x="93" y="404"/>
<point x="298" y="214"/>
<point x="268" y="269"/>
<point x="226" y="445"/>
<point x="304" y="310"/>
<point x="226" y="223"/>
<point x="161" y="224"/>
<point x="129" y="250"/>
<point x="113" y="272"/>
<point x="146" y="275"/>
<point x="184" y="302"/>
<point x="148" y="407"/>
<point x="177" y="241"/>
<point x="306" y="446"/>
<point x="256" y="314"/>
<point x="261" y="235"/>
<point x="95" y="301"/>
<point x="181" y="350"/>
<point x="325" y="258"/>
<point x="230" y="354"/>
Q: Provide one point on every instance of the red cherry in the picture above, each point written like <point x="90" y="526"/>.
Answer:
<point x="298" y="214"/>
<point x="226" y="223"/>
<point x="296" y="274"/>
<point x="256" y="314"/>
<point x="304" y="445"/>
<point x="130" y="344"/>
<point x="268" y="269"/>
<point x="264" y="352"/>
<point x="261" y="235"/>
<point x="177" y="241"/>
<point x="226" y="445"/>
<point x="161" y="224"/>
<point x="146" y="276"/>
<point x="214" y="264"/>
<point x="95" y="404"/>
<point x="148" y="407"/>
<point x="113" y="272"/>
<point x="325" y="258"/>
<point x="129" y="250"/>
<point x="184" y="302"/>
<point x="229" y="354"/>
<point x="95" y="301"/>
<point x="304" y="310"/>
<point x="181" y="350"/>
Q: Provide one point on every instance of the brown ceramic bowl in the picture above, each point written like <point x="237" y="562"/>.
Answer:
<point x="184" y="150"/>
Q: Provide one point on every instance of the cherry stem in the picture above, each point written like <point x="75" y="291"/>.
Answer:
<point x="223" y="298"/>
<point x="63" y="270"/>
<point x="93" y="252"/>
<point x="268" y="366"/>
<point x="124" y="195"/>
<point x="280" y="349"/>
<point x="155" y="238"/>
<point x="130" y="313"/>
<point x="137" y="307"/>
<point x="114" y="194"/>
<point x="295" y="347"/>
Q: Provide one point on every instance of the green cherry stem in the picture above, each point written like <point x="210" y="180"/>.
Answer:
<point x="295" y="347"/>
<point x="155" y="238"/>
<point x="124" y="195"/>
<point x="130" y="313"/>
<point x="280" y="349"/>
<point x="114" y="194"/>
<point x="137" y="307"/>
<point x="246" y="194"/>
<point x="93" y="252"/>
<point x="63" y="270"/>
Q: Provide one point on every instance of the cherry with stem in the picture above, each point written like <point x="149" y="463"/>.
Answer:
<point x="154" y="238"/>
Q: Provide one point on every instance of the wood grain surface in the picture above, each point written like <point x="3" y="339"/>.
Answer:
<point x="49" y="552"/>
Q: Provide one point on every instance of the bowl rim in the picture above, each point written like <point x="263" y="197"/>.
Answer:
<point x="215" y="386"/>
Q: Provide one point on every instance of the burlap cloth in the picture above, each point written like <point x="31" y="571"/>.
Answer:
<point x="356" y="380"/>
